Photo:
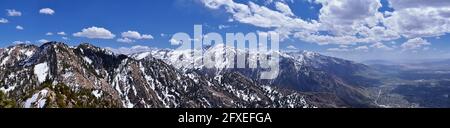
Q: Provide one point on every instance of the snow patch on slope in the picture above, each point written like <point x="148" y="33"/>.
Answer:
<point x="97" y="93"/>
<point x="87" y="60"/>
<point x="41" y="71"/>
<point x="5" y="60"/>
<point x="37" y="100"/>
<point x="142" y="55"/>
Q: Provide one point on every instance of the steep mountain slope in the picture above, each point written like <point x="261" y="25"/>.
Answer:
<point x="302" y="71"/>
<point x="56" y="75"/>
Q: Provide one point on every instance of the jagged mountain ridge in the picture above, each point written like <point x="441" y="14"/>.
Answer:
<point x="56" y="75"/>
<point x="301" y="71"/>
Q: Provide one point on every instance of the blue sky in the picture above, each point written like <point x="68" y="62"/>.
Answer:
<point x="313" y="19"/>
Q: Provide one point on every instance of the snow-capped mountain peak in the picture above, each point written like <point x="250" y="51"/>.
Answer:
<point x="57" y="75"/>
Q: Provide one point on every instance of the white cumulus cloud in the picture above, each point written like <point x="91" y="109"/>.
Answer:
<point x="3" y="20"/>
<point x="284" y="8"/>
<point x="136" y="35"/>
<point x="346" y="22"/>
<point x="42" y="41"/>
<point x="380" y="45"/>
<point x="132" y="36"/>
<point x="419" y="18"/>
<point x="414" y="44"/>
<point x="95" y="33"/>
<point x="125" y="40"/>
<point x="61" y="33"/>
<point x="13" y="12"/>
<point x="18" y="27"/>
<point x="47" y="11"/>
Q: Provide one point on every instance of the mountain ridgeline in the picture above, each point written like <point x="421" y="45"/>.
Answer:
<point x="55" y="75"/>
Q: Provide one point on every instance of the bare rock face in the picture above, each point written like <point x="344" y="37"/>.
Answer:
<point x="55" y="75"/>
<point x="301" y="71"/>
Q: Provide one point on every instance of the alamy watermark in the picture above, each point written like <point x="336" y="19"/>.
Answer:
<point x="239" y="50"/>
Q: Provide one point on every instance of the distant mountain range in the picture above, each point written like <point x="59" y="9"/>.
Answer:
<point x="301" y="71"/>
<point x="55" y="75"/>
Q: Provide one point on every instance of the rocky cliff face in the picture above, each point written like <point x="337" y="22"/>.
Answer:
<point x="56" y="75"/>
<point x="300" y="71"/>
